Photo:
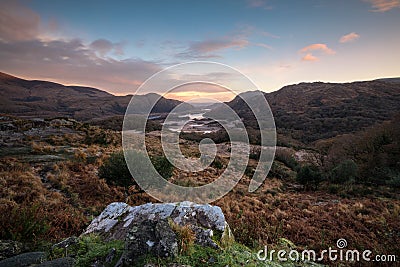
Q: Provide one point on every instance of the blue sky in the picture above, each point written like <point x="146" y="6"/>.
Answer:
<point x="116" y="45"/>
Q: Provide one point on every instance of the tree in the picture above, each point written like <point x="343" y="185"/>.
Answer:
<point x="309" y="176"/>
<point x="345" y="171"/>
<point x="115" y="171"/>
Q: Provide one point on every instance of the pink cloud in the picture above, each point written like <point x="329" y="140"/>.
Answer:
<point x="17" y="23"/>
<point x="310" y="57"/>
<point x="203" y="49"/>
<point x="215" y="45"/>
<point x="26" y="51"/>
<point x="383" y="5"/>
<point x="349" y="37"/>
<point x="318" y="47"/>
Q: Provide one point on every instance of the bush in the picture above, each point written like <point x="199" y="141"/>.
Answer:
<point x="345" y="171"/>
<point x="25" y="223"/>
<point x="217" y="163"/>
<point x="309" y="176"/>
<point x="116" y="172"/>
<point x="163" y="166"/>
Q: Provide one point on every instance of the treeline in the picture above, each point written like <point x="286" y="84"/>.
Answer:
<point x="370" y="157"/>
<point x="375" y="152"/>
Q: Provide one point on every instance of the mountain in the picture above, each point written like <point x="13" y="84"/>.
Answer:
<point x="313" y="111"/>
<point x="390" y="80"/>
<point x="47" y="99"/>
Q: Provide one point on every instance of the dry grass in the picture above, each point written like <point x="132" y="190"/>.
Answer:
<point x="186" y="237"/>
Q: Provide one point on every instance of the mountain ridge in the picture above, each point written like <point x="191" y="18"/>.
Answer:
<point x="305" y="111"/>
<point x="35" y="98"/>
<point x="312" y="111"/>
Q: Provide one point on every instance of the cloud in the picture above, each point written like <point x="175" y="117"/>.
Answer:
<point x="349" y="37"/>
<point x="27" y="51"/>
<point x="318" y="47"/>
<point x="73" y="62"/>
<point x="206" y="48"/>
<point x="309" y="57"/>
<point x="383" y="5"/>
<point x="17" y="22"/>
<point x="103" y="47"/>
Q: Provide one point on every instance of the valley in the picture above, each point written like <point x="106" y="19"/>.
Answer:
<point x="335" y="175"/>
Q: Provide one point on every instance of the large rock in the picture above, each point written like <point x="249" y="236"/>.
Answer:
<point x="9" y="248"/>
<point x="154" y="237"/>
<point x="147" y="228"/>
<point x="25" y="259"/>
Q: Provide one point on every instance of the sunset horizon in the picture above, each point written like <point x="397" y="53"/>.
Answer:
<point x="274" y="43"/>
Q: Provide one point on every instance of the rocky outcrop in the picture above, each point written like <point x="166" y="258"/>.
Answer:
<point x="149" y="237"/>
<point x="148" y="229"/>
<point x="10" y="248"/>
<point x="25" y="259"/>
<point x="160" y="230"/>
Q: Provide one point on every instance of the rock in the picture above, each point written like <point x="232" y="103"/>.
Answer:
<point x="111" y="255"/>
<point x="25" y="259"/>
<point x="208" y="222"/>
<point x="66" y="242"/>
<point x="107" y="260"/>
<point x="60" y="262"/>
<point x="149" y="237"/>
<point x="147" y="228"/>
<point x="10" y="248"/>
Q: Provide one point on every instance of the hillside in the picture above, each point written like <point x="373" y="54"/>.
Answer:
<point x="47" y="99"/>
<point x="306" y="112"/>
<point x="312" y="111"/>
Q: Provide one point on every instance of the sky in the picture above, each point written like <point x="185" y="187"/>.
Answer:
<point x="116" y="45"/>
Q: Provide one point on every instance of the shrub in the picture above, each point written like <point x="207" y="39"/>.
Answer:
<point x="24" y="223"/>
<point x="309" y="176"/>
<point x="217" y="163"/>
<point x="115" y="171"/>
<point x="163" y="166"/>
<point x="345" y="171"/>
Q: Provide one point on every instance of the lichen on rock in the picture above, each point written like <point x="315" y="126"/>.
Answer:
<point x="146" y="229"/>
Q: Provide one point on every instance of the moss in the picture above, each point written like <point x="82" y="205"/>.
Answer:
<point x="235" y="255"/>
<point x="89" y="249"/>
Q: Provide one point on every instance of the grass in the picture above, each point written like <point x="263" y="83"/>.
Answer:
<point x="68" y="195"/>
<point x="185" y="236"/>
<point x="89" y="249"/>
<point x="235" y="255"/>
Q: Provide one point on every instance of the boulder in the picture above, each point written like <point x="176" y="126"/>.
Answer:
<point x="149" y="237"/>
<point x="147" y="228"/>
<point x="60" y="262"/>
<point x="9" y="248"/>
<point x="25" y="259"/>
